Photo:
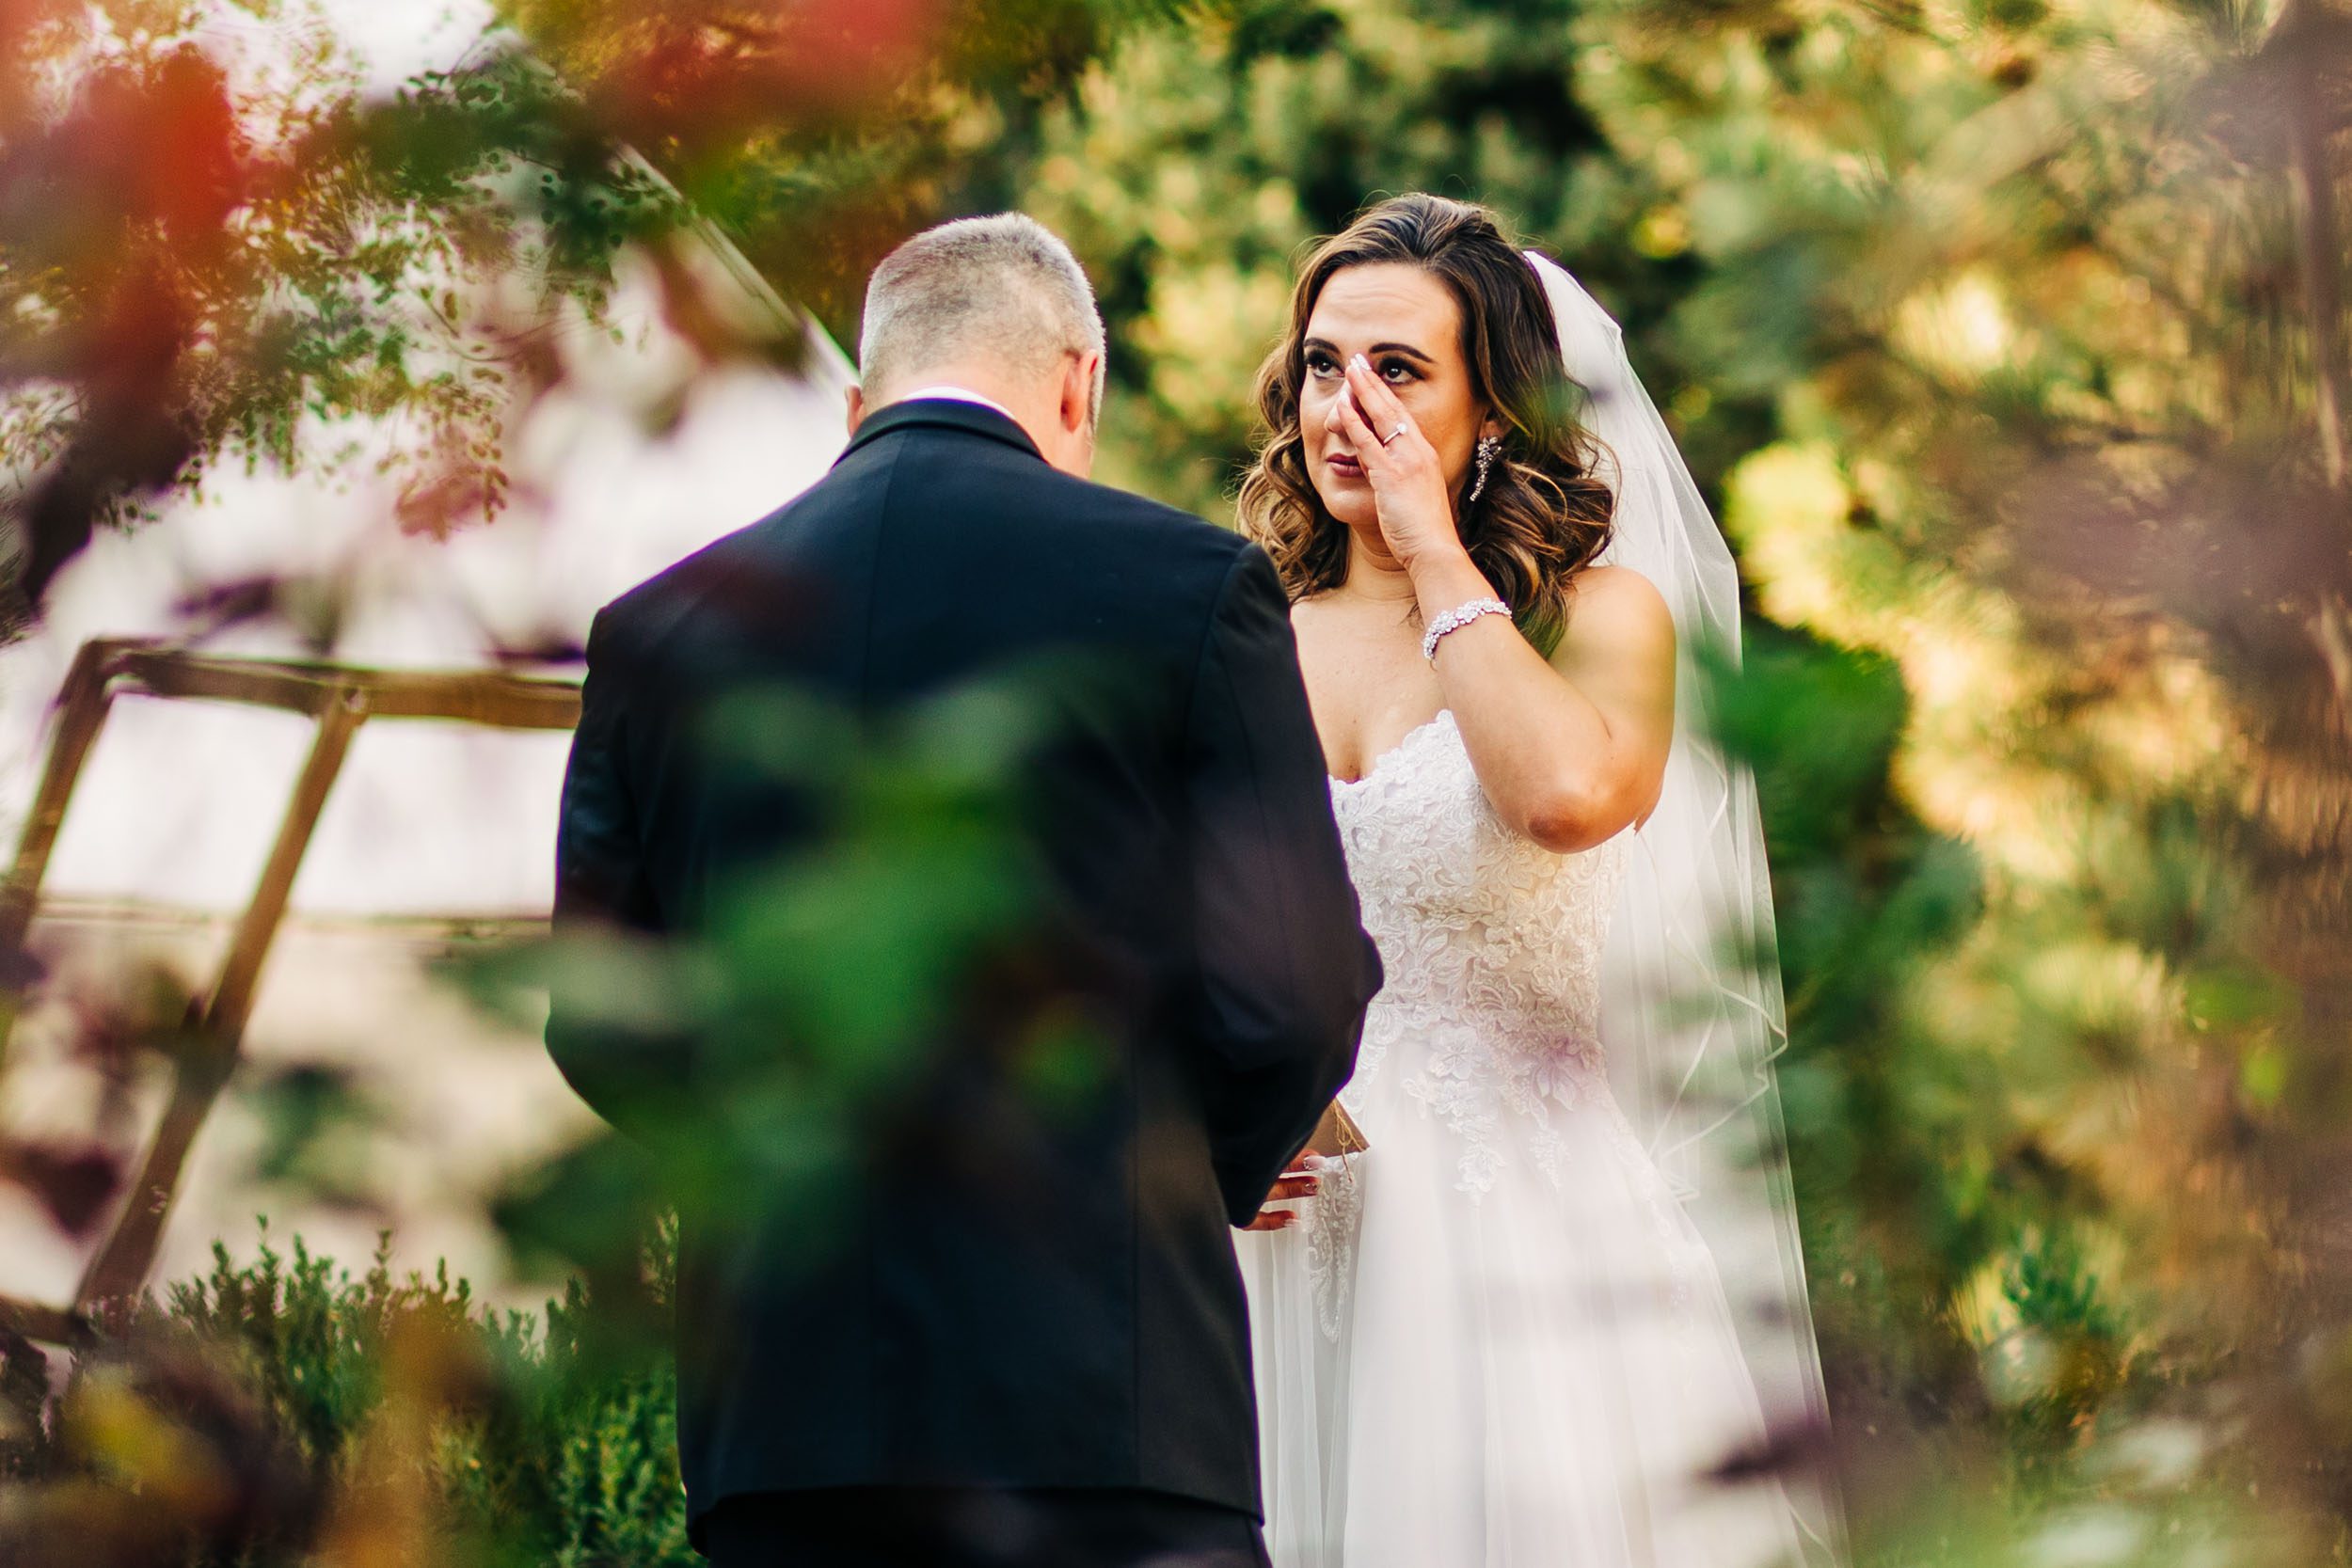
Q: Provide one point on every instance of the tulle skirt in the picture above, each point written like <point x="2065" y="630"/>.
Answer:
<point x="1542" y="1374"/>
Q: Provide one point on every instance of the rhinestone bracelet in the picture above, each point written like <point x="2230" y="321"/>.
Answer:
<point x="1455" y="620"/>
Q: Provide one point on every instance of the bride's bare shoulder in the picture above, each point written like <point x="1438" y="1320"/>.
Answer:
<point x="1618" y="598"/>
<point x="1619" y="612"/>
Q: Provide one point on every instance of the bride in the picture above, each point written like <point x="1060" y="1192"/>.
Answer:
<point x="1501" y="1334"/>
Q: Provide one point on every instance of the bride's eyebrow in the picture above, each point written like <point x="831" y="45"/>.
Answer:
<point x="1406" y="349"/>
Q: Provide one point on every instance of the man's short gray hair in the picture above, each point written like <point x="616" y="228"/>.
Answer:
<point x="1005" y="290"/>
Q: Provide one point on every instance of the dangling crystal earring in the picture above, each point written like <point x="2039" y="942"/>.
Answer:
<point x="1487" y="447"/>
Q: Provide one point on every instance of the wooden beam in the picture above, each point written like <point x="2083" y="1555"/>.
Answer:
<point x="208" y="1057"/>
<point x="54" y="1325"/>
<point x="82" y="707"/>
<point x="489" y="697"/>
<point x="232" y="997"/>
<point x="341" y="697"/>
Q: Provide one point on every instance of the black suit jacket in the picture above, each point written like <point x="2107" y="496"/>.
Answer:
<point x="1004" y="1288"/>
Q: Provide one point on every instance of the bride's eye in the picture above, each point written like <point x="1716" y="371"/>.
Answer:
<point x="1396" y="373"/>
<point x="1321" y="364"/>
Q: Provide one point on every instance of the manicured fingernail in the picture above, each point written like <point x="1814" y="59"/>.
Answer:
<point x="1360" y="362"/>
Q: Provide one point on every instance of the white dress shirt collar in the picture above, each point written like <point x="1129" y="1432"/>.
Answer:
<point x="958" y="394"/>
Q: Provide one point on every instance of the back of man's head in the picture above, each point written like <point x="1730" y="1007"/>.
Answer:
<point x="1001" y="291"/>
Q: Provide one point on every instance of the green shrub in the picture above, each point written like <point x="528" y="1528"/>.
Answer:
<point x="262" y="1413"/>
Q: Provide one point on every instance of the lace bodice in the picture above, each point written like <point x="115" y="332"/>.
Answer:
<point x="1492" y="946"/>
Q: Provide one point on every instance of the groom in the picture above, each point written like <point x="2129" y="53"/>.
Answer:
<point x="1019" y="1338"/>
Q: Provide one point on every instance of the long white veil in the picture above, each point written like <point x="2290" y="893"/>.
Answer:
<point x="1691" y="1015"/>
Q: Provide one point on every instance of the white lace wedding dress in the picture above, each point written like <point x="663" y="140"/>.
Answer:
<point x="1495" y="1338"/>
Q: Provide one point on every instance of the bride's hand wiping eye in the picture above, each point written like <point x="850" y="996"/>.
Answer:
<point x="1409" y="485"/>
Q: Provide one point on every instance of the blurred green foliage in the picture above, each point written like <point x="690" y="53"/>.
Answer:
<point x="285" y="1412"/>
<point x="1992" y="328"/>
<point x="206" y="258"/>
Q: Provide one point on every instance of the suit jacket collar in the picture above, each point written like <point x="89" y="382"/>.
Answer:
<point x="948" y="413"/>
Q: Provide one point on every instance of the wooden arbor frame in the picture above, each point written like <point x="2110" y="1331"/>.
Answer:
<point x="339" y="698"/>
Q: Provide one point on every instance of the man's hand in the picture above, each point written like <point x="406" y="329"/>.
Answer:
<point x="1300" y="1181"/>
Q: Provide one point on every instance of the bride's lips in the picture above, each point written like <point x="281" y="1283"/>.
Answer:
<point x="1345" y="465"/>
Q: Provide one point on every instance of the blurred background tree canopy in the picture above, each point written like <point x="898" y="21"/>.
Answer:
<point x="2005" y="336"/>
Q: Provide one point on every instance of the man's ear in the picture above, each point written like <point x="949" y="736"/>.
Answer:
<point x="1077" y="391"/>
<point x="857" y="409"/>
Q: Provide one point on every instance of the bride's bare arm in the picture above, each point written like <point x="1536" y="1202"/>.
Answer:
<point x="1569" y="749"/>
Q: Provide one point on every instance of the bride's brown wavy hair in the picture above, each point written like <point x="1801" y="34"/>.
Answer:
<point x="1543" y="516"/>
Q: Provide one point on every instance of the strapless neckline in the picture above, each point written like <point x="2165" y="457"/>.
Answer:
<point x="1442" y="720"/>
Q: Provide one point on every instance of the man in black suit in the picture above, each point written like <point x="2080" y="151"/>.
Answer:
<point x="1018" y="1334"/>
